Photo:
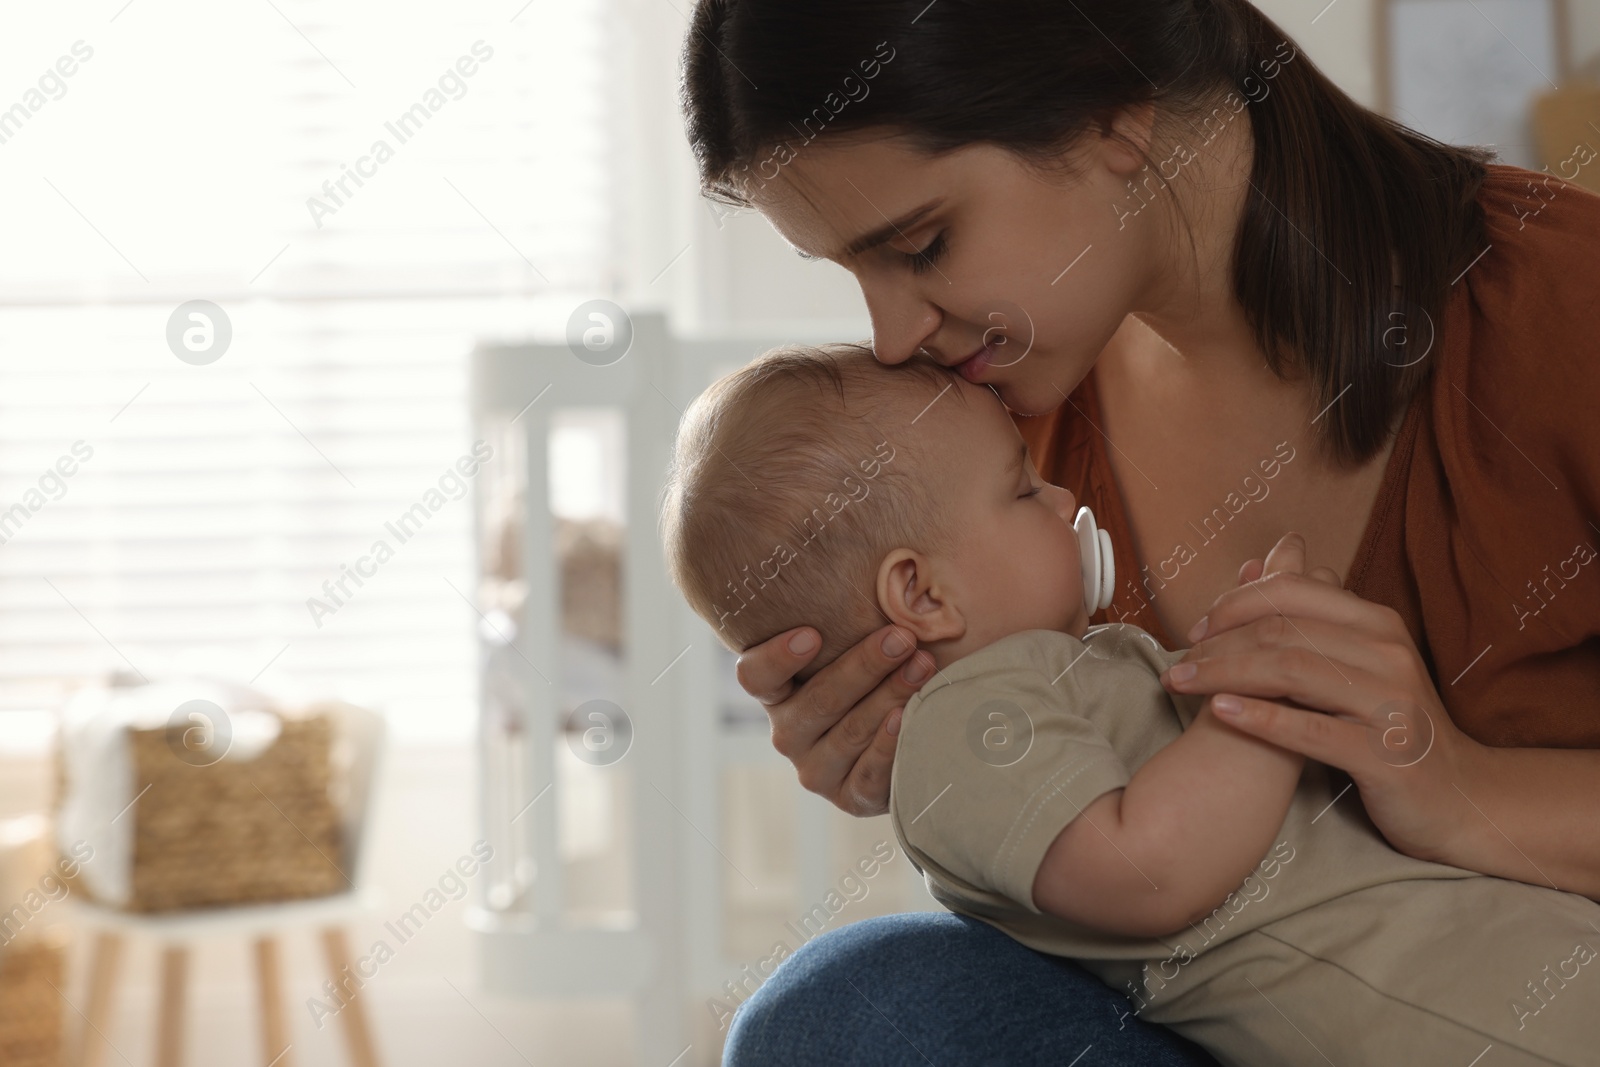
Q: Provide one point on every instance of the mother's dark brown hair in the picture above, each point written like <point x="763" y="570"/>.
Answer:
<point x="1335" y="186"/>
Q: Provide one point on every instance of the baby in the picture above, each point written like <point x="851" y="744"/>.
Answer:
<point x="1044" y="780"/>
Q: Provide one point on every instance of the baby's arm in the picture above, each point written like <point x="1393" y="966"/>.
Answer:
<point x="1169" y="847"/>
<point x="1186" y="830"/>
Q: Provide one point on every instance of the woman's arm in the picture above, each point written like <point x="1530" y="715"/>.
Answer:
<point x="1535" y="816"/>
<point x="1528" y="814"/>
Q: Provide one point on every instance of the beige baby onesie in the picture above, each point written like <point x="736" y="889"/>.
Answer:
<point x="1336" y="949"/>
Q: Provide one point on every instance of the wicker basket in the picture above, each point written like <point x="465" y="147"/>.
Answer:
<point x="235" y="831"/>
<point x="30" y="1010"/>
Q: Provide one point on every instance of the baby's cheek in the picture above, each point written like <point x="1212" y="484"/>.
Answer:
<point x="1069" y="569"/>
<point x="1053" y="566"/>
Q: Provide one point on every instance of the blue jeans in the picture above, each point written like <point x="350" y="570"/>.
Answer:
<point x="932" y="988"/>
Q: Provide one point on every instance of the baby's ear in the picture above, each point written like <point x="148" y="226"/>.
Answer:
<point x="910" y="595"/>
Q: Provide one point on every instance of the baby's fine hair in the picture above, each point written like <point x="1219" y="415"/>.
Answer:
<point x="790" y="481"/>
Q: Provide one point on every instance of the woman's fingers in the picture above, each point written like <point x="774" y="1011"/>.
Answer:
<point x="848" y="682"/>
<point x="1338" y="643"/>
<point x="1301" y="596"/>
<point x="1327" y="575"/>
<point x="850" y="763"/>
<point x="831" y="723"/>
<point x="1324" y="738"/>
<point x="1288" y="556"/>
<point x="766" y="671"/>
<point x="1296" y="673"/>
<point x="865" y="790"/>
<point x="1266" y="653"/>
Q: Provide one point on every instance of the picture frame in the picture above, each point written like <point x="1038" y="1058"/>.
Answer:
<point x="1468" y="71"/>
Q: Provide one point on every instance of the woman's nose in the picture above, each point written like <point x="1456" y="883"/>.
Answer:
<point x="901" y="324"/>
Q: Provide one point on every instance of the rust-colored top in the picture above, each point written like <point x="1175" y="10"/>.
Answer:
<point x="1485" y="532"/>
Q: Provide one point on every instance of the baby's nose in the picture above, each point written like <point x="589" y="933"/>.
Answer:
<point x="1066" y="505"/>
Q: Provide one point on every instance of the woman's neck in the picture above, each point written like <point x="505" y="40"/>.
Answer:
<point x="1189" y="302"/>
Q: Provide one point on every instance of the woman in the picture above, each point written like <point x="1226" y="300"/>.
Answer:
<point x="1224" y="301"/>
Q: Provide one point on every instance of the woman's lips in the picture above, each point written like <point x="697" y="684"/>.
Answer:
<point x="974" y="365"/>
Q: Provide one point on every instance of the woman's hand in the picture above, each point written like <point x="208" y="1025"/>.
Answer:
<point x="1295" y="660"/>
<point x="839" y="728"/>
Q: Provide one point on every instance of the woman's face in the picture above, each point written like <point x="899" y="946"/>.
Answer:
<point x="1017" y="276"/>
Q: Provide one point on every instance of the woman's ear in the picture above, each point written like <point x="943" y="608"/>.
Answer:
<point x="909" y="594"/>
<point x="1132" y="124"/>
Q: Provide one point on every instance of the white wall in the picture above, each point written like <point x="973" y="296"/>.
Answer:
<point x="1584" y="23"/>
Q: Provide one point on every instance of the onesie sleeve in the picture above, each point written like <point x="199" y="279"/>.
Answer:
<point x="990" y="769"/>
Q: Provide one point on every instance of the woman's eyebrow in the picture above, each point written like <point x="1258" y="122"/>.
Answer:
<point x="893" y="228"/>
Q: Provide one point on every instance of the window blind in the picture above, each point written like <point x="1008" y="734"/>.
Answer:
<point x="364" y="192"/>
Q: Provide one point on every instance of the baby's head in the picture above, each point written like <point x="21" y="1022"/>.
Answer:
<point x="819" y="487"/>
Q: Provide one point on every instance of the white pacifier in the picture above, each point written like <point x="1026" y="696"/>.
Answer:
<point x="1097" y="560"/>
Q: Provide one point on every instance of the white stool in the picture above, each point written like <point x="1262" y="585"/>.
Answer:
<point x="263" y="924"/>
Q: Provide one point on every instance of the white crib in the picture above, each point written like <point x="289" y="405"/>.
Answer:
<point x="688" y="721"/>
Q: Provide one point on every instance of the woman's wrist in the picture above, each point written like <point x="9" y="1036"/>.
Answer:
<point x="1460" y="837"/>
<point x="1488" y="831"/>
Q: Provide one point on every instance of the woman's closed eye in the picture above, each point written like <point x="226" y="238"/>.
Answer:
<point x="923" y="261"/>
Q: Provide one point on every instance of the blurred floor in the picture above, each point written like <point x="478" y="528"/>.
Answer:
<point x="419" y="1020"/>
<point x="427" y="819"/>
